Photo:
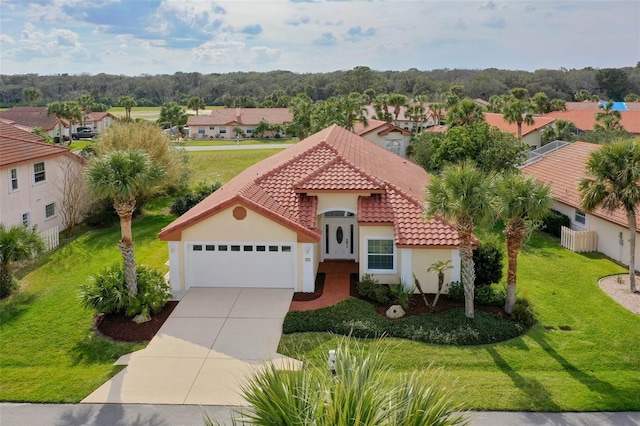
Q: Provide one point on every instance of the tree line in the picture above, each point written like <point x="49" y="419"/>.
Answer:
<point x="272" y="89"/>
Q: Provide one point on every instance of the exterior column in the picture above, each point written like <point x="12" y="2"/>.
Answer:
<point x="308" y="261"/>
<point x="406" y="267"/>
<point x="174" y="266"/>
<point x="455" y="262"/>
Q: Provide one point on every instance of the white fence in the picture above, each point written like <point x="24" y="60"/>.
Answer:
<point x="51" y="238"/>
<point x="579" y="241"/>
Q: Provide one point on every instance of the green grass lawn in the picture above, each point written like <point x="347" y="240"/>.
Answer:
<point x="221" y="166"/>
<point x="225" y="142"/>
<point x="592" y="367"/>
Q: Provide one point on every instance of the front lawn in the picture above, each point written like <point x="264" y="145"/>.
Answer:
<point x="227" y="142"/>
<point x="212" y="166"/>
<point x="591" y="367"/>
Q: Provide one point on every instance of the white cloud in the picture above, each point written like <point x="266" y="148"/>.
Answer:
<point x="263" y="54"/>
<point x="6" y="39"/>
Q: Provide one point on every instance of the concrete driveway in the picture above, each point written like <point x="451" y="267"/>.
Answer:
<point x="213" y="340"/>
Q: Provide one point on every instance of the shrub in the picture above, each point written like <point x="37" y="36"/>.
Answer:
<point x="553" y="223"/>
<point x="456" y="291"/>
<point x="370" y="288"/>
<point x="487" y="295"/>
<point x="488" y="259"/>
<point x="523" y="313"/>
<point x="7" y="286"/>
<point x="182" y="203"/>
<point x="101" y="214"/>
<point x="108" y="293"/>
<point x="401" y="294"/>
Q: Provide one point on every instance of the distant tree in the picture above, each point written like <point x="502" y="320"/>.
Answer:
<point x="541" y="103"/>
<point x="518" y="111"/>
<point x="397" y="101"/>
<point x="127" y="102"/>
<point x="228" y="100"/>
<point x="359" y="79"/>
<point x="237" y="131"/>
<point x="632" y="97"/>
<point x="31" y="95"/>
<point x="582" y="95"/>
<point x="370" y="94"/>
<point x="436" y="112"/>
<point x="614" y="81"/>
<point x="381" y="106"/>
<point x="558" y="105"/>
<point x="608" y="118"/>
<point x="17" y="243"/>
<point x="173" y="114"/>
<point x="602" y="136"/>
<point x="196" y="103"/>
<point x="301" y="108"/>
<point x="496" y="102"/>
<point x="245" y="101"/>
<point x="69" y="111"/>
<point x="614" y="183"/>
<point x="276" y="129"/>
<point x="559" y="130"/>
<point x="86" y="103"/>
<point x="464" y="113"/>
<point x="520" y="93"/>
<point x="279" y="99"/>
<point x="261" y="128"/>
<point x="417" y="113"/>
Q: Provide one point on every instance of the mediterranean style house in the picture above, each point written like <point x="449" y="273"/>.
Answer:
<point x="562" y="169"/>
<point x="33" y="117"/>
<point x="333" y="196"/>
<point x="386" y="135"/>
<point x="585" y="119"/>
<point x="221" y="122"/>
<point x="32" y="178"/>
<point x="531" y="134"/>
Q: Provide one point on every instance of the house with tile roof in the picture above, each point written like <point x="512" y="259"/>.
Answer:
<point x="33" y="117"/>
<point x="99" y="121"/>
<point x="32" y="178"/>
<point x="221" y="122"/>
<point x="332" y="196"/>
<point x="585" y="119"/>
<point x="386" y="135"/>
<point x="562" y="169"/>
<point x="403" y="121"/>
<point x="531" y="134"/>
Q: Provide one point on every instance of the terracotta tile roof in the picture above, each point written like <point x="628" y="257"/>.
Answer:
<point x="97" y="116"/>
<point x="18" y="145"/>
<point x="585" y="119"/>
<point x="595" y="106"/>
<point x="562" y="170"/>
<point x="498" y="121"/>
<point x="242" y="116"/>
<point x="439" y="128"/>
<point x="31" y="117"/>
<point x="334" y="160"/>
<point x="377" y="126"/>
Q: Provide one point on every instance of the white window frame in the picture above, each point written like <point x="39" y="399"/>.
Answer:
<point x="580" y="217"/>
<point x="26" y="219"/>
<point x="35" y="173"/>
<point x="55" y="212"/>
<point x="222" y="130"/>
<point x="13" y="178"/>
<point x="393" y="146"/>
<point x="394" y="254"/>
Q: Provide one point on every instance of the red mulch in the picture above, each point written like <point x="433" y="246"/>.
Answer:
<point x="121" y="329"/>
<point x="299" y="296"/>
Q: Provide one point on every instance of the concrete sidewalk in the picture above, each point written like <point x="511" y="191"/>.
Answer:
<point x="213" y="340"/>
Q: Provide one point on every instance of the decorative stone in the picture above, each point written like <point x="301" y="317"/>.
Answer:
<point x="395" y="312"/>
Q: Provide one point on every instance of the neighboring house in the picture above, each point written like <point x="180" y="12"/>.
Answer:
<point x="221" y="122"/>
<point x="33" y="117"/>
<point x="531" y="134"/>
<point x="99" y="121"/>
<point x="403" y="121"/>
<point x="384" y="134"/>
<point x="562" y="170"/>
<point x="585" y="119"/>
<point x="331" y="196"/>
<point x="31" y="178"/>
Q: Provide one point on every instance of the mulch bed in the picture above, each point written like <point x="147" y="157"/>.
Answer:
<point x="417" y="306"/>
<point x="299" y="296"/>
<point x="121" y="329"/>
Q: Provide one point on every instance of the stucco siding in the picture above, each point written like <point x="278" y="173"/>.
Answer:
<point x="332" y="201"/>
<point x="533" y="139"/>
<point x="422" y="260"/>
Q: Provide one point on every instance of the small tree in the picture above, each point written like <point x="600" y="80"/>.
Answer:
<point x="196" y="103"/>
<point x="16" y="244"/>
<point x="127" y="102"/>
<point x="74" y="192"/>
<point x="440" y="266"/>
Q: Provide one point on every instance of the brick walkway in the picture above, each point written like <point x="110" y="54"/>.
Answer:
<point x="336" y="285"/>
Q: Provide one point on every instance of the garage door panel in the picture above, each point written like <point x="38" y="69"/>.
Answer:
<point x="233" y="264"/>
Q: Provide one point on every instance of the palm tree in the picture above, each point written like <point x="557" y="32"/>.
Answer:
<point x="261" y="128"/>
<point x="615" y="184"/>
<point x="463" y="195"/>
<point x="85" y="102"/>
<point x="397" y="101"/>
<point x="381" y="106"/>
<point x="16" y="244"/>
<point x="65" y="111"/>
<point x="124" y="176"/>
<point x="541" y="103"/>
<point x="127" y="102"/>
<point x="31" y="95"/>
<point x="609" y="118"/>
<point x="436" y="112"/>
<point x="172" y="113"/>
<point x="416" y="113"/>
<point x="517" y="111"/>
<point x="521" y="199"/>
<point x="301" y="107"/>
<point x="465" y="112"/>
<point x="440" y="266"/>
<point x="559" y="130"/>
<point x="196" y="103"/>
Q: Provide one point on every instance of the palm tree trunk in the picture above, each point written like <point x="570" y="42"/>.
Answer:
<point x="515" y="233"/>
<point x="631" y="217"/>
<point x="125" y="211"/>
<point x="5" y="278"/>
<point x="468" y="278"/>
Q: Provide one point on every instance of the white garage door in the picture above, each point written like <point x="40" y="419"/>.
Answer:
<point x="240" y="264"/>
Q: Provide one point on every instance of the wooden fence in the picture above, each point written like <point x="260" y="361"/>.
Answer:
<point x="51" y="238"/>
<point x="579" y="241"/>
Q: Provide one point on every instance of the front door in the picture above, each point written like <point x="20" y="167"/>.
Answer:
<point x="340" y="238"/>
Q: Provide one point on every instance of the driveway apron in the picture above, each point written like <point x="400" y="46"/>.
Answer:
<point x="212" y="341"/>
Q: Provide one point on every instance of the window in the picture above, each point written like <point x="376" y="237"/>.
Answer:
<point x="247" y="248"/>
<point x="580" y="217"/>
<point x="222" y="130"/>
<point x="13" y="180"/>
<point x="49" y="210"/>
<point x="249" y="130"/>
<point x="273" y="248"/>
<point x="393" y="146"/>
<point x="210" y="248"/>
<point x="197" y="247"/>
<point x="211" y="127"/>
<point x="201" y="130"/>
<point x="380" y="255"/>
<point x="39" y="174"/>
<point x="235" y="248"/>
<point x="261" y="248"/>
<point x="339" y="213"/>
<point x="222" y="247"/>
<point x="25" y="220"/>
<point x="286" y="249"/>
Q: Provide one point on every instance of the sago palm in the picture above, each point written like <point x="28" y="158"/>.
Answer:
<point x="614" y="183"/>
<point x="17" y="243"/>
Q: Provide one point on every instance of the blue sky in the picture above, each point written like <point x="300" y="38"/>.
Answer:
<point x="134" y="37"/>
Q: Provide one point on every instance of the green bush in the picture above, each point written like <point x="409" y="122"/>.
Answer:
<point x="553" y="223"/>
<point x="488" y="260"/>
<point x="456" y="291"/>
<point x="487" y="295"/>
<point x="182" y="203"/>
<point x="101" y="214"/>
<point x="108" y="293"/>
<point x="523" y="313"/>
<point x="7" y="286"/>
<point x="401" y="294"/>
<point x="370" y="288"/>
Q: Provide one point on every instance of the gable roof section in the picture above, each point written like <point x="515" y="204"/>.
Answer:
<point x="98" y="116"/>
<point x="242" y="116"/>
<point x="585" y="119"/>
<point x="378" y="126"/>
<point x="18" y="146"/>
<point x="562" y="170"/>
<point x="31" y="117"/>
<point x="497" y="120"/>
<point x="333" y="160"/>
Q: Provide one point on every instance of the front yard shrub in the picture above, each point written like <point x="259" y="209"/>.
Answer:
<point x="108" y="293"/>
<point x="554" y="222"/>
<point x="523" y="313"/>
<point x="370" y="288"/>
<point x="401" y="294"/>
<point x="487" y="295"/>
<point x="182" y="203"/>
<point x="488" y="260"/>
<point x="456" y="291"/>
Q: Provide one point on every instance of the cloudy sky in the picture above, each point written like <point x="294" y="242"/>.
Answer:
<point x="134" y="37"/>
